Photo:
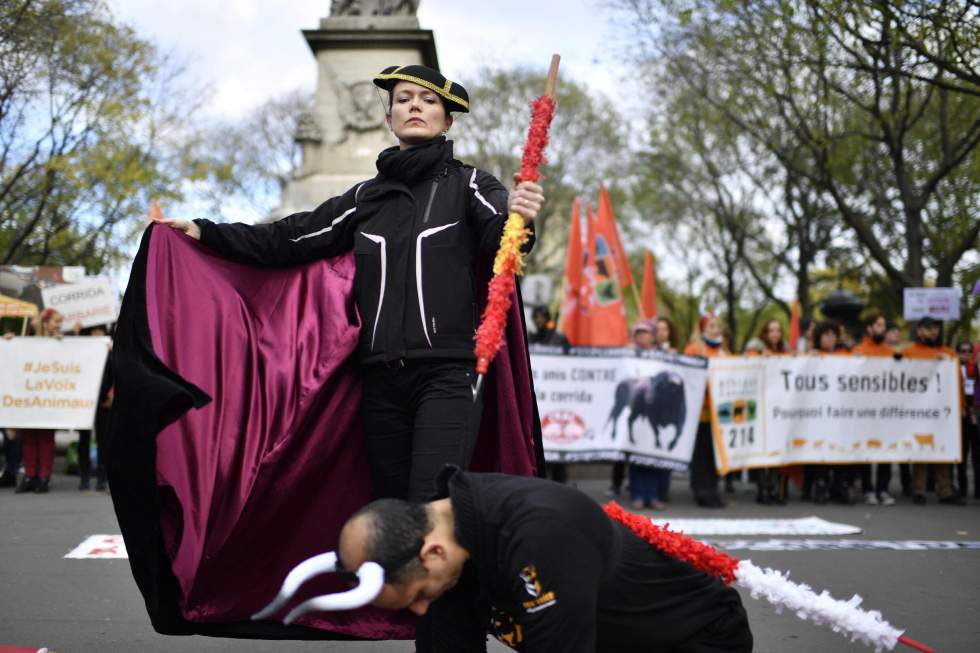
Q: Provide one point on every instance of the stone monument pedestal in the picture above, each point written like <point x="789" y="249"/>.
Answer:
<point x="340" y="140"/>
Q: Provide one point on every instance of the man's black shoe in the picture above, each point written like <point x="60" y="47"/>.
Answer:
<point x="919" y="499"/>
<point x="953" y="500"/>
<point x="43" y="486"/>
<point x="8" y="479"/>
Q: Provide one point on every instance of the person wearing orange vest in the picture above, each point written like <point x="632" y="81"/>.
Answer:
<point x="873" y="346"/>
<point x="929" y="345"/>
<point x="707" y="342"/>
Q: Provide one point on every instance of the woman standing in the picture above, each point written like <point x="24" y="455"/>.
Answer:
<point x="829" y="481"/>
<point x="771" y="483"/>
<point x="417" y="230"/>
<point x="39" y="443"/>
<point x="707" y="342"/>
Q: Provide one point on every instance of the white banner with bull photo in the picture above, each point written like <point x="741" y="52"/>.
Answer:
<point x="610" y="404"/>
<point x="771" y="411"/>
<point x="51" y="383"/>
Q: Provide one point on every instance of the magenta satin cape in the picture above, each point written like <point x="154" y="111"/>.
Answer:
<point x="236" y="442"/>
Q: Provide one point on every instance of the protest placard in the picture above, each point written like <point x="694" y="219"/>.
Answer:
<point x="50" y="383"/>
<point x="90" y="302"/>
<point x="610" y="404"/>
<point x="937" y="303"/>
<point x="770" y="411"/>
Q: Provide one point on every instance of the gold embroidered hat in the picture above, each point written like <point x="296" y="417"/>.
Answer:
<point x="456" y="97"/>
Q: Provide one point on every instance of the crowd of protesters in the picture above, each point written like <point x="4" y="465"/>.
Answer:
<point x="871" y="484"/>
<point x="29" y="454"/>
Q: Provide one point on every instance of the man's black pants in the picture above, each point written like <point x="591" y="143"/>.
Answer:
<point x="418" y="415"/>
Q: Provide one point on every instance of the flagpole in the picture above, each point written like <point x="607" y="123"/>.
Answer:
<point x="509" y="260"/>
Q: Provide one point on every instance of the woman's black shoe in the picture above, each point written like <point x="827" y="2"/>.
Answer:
<point x="27" y="484"/>
<point x="43" y="486"/>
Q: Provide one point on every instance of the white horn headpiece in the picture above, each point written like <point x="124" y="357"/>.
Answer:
<point x="371" y="579"/>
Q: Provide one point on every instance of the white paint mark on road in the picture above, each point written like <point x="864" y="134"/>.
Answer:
<point x="845" y="545"/>
<point x="803" y="526"/>
<point x="100" y="546"/>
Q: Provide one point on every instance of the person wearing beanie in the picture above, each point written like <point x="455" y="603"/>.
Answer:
<point x="928" y="345"/>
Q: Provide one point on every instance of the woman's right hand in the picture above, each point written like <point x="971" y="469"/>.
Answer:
<point x="188" y="227"/>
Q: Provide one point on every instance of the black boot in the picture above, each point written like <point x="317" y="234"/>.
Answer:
<point x="84" y="484"/>
<point x="27" y="484"/>
<point x="8" y="478"/>
<point x="43" y="486"/>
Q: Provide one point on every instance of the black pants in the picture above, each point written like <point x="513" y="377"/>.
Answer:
<point x="13" y="453"/>
<point x="101" y="444"/>
<point x="704" y="475"/>
<point x="418" y="416"/>
<point x="971" y="447"/>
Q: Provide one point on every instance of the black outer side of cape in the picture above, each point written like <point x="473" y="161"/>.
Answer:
<point x="148" y="397"/>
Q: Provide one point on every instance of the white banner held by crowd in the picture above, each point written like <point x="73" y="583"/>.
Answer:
<point x="51" y="383"/>
<point x="770" y="411"/>
<point x="90" y="302"/>
<point x="611" y="404"/>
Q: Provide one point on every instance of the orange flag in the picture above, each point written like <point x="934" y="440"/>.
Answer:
<point x="570" y="322"/>
<point x="648" y="302"/>
<point x="606" y="226"/>
<point x="603" y="315"/>
<point x="794" y="326"/>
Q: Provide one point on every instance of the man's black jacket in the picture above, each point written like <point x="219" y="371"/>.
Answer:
<point x="549" y="571"/>
<point x="417" y="230"/>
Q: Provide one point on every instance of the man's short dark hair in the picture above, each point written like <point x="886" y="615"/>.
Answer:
<point x="541" y="311"/>
<point x="396" y="532"/>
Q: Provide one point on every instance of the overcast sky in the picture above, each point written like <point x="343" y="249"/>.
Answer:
<point x="250" y="50"/>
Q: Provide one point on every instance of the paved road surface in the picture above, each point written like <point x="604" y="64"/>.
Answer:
<point x="93" y="605"/>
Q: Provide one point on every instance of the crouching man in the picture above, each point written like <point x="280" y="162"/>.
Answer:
<point x="541" y="567"/>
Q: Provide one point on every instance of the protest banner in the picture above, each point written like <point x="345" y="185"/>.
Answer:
<point x="90" y="302"/>
<point x="610" y="404"/>
<point x="937" y="303"/>
<point x="51" y="383"/>
<point x="770" y="411"/>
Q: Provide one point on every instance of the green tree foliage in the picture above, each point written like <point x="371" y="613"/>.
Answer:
<point x="587" y="146"/>
<point x="92" y="125"/>
<point x="871" y="109"/>
<point x="251" y="159"/>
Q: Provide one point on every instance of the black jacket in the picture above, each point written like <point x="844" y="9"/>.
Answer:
<point x="417" y="230"/>
<point x="553" y="573"/>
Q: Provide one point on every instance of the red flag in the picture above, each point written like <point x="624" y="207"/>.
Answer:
<point x="606" y="225"/>
<point x="648" y="295"/>
<point x="570" y="322"/>
<point x="794" y="326"/>
<point x="602" y="314"/>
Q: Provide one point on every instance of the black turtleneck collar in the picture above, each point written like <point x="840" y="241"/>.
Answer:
<point x="417" y="162"/>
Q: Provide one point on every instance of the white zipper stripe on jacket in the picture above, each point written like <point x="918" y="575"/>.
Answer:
<point x="333" y="224"/>
<point x="384" y="273"/>
<point x="418" y="273"/>
<point x="476" y="191"/>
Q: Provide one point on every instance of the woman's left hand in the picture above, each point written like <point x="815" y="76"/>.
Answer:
<point x="526" y="200"/>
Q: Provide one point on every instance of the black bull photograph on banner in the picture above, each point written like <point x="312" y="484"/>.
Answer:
<point x="612" y="405"/>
